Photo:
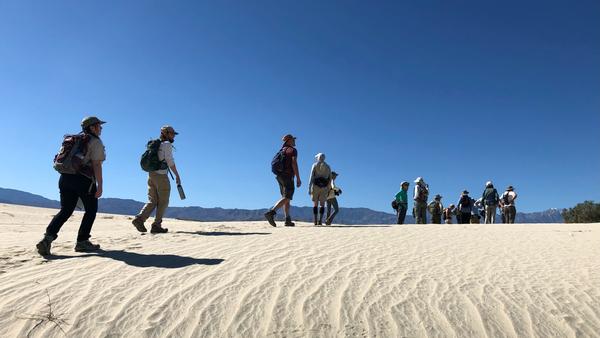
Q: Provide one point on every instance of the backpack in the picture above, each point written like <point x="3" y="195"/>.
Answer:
<point x="149" y="161"/>
<point x="278" y="162"/>
<point x="69" y="159"/>
<point x="423" y="192"/>
<point x="394" y="204"/>
<point x="321" y="182"/>
<point x="491" y="198"/>
<point x="465" y="202"/>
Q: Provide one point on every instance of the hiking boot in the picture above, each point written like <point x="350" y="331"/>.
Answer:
<point x="86" y="246"/>
<point x="270" y="216"/>
<point x="158" y="230"/>
<point x="139" y="225"/>
<point x="289" y="223"/>
<point x="43" y="246"/>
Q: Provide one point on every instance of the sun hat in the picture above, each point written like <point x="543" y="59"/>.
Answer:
<point x="90" y="121"/>
<point x="510" y="188"/>
<point x="465" y="192"/>
<point x="169" y="129"/>
<point x="404" y="183"/>
<point x="419" y="179"/>
<point x="437" y="197"/>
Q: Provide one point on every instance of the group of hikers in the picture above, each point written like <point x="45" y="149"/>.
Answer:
<point x="321" y="186"/>
<point x="80" y="158"/>
<point x="469" y="210"/>
<point x="79" y="162"/>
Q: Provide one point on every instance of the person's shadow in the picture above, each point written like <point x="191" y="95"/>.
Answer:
<point x="221" y="233"/>
<point x="147" y="261"/>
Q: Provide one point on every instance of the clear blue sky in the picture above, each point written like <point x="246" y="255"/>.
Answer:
<point x="456" y="92"/>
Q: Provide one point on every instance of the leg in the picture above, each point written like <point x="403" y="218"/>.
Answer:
<point x="336" y="209"/>
<point x="152" y="200"/>
<point x="164" y="193"/>
<point x="321" y="210"/>
<point x="90" y="203"/>
<point x="68" y="201"/>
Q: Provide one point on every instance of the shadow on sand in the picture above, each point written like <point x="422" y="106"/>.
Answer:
<point x="355" y="226"/>
<point x="147" y="261"/>
<point x="221" y="233"/>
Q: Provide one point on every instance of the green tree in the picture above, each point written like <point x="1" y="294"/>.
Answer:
<point x="586" y="212"/>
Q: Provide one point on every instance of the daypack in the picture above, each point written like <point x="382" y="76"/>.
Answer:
<point x="491" y="198"/>
<point x="278" y="162"/>
<point x="423" y="192"/>
<point x="465" y="202"/>
<point x="394" y="204"/>
<point x="69" y="159"/>
<point x="149" y="161"/>
<point x="321" y="182"/>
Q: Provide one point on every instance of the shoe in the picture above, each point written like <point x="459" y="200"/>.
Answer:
<point x="43" y="246"/>
<point x="139" y="225"/>
<point x="270" y="216"/>
<point x="158" y="230"/>
<point x="289" y="223"/>
<point x="86" y="246"/>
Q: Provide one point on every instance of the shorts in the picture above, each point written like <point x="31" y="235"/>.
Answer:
<point x="320" y="194"/>
<point x="286" y="186"/>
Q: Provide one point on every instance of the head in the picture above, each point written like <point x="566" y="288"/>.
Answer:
<point x="289" y="140"/>
<point x="92" y="125"/>
<point x="404" y="185"/>
<point x="167" y="133"/>
<point x="320" y="157"/>
<point x="451" y="206"/>
<point x="465" y="193"/>
<point x="419" y="180"/>
<point x="510" y="188"/>
<point x="334" y="175"/>
<point x="438" y="198"/>
<point x="489" y="184"/>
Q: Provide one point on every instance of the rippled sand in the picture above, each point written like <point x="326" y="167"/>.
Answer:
<point x="248" y="279"/>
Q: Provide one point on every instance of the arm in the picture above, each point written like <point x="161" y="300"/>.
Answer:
<point x="168" y="153"/>
<point x="97" y="165"/>
<point x="296" y="172"/>
<point x="174" y="170"/>
<point x="310" y="179"/>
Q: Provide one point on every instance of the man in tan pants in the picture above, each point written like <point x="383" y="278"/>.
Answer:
<point x="159" y="187"/>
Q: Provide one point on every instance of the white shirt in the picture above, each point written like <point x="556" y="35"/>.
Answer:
<point x="165" y="153"/>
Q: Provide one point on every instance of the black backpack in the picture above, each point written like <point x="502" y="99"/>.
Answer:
<point x="69" y="159"/>
<point x="149" y="161"/>
<point x="491" y="198"/>
<point x="278" y="162"/>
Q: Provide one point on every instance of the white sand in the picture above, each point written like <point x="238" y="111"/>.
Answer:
<point x="251" y="280"/>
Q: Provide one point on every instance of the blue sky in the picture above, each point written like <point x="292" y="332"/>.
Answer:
<point x="456" y="92"/>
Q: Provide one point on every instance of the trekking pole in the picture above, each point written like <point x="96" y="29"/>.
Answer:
<point x="170" y="173"/>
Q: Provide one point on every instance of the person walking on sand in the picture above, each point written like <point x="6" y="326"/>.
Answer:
<point x="420" y="196"/>
<point x="402" y="202"/>
<point x="448" y="213"/>
<point x="490" y="200"/>
<point x="436" y="208"/>
<point x="285" y="167"/>
<point x="508" y="199"/>
<point x="159" y="187"/>
<point x="465" y="206"/>
<point x="319" y="185"/>
<point x="332" y="199"/>
<point x="84" y="183"/>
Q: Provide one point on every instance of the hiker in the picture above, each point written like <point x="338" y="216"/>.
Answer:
<point x="84" y="183"/>
<point x="447" y="214"/>
<point x="421" y="194"/>
<point x="332" y="199"/>
<point x="159" y="187"/>
<point x="465" y="205"/>
<point x="502" y="213"/>
<point x="402" y="202"/>
<point x="436" y="208"/>
<point x="490" y="200"/>
<point x="285" y="167"/>
<point x="508" y="199"/>
<point x="479" y="209"/>
<point x="319" y="185"/>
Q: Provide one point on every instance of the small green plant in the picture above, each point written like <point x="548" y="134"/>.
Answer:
<point x="586" y="212"/>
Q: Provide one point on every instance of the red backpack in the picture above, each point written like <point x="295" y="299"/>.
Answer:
<point x="69" y="159"/>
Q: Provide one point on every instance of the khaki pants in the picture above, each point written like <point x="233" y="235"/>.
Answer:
<point x="159" y="191"/>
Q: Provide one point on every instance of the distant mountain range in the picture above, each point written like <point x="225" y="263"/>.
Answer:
<point x="345" y="216"/>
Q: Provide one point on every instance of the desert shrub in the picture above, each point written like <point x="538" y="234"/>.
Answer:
<point x="586" y="212"/>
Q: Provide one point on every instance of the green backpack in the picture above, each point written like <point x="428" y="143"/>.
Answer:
<point x="150" y="161"/>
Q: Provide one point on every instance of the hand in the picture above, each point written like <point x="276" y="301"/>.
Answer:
<point x="298" y="183"/>
<point x="98" y="192"/>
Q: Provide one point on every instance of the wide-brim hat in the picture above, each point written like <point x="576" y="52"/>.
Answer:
<point x="169" y="129"/>
<point x="510" y="188"/>
<point x="465" y="192"/>
<point x="437" y="197"/>
<point x="419" y="180"/>
<point x="90" y="121"/>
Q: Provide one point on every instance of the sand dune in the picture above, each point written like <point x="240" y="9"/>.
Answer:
<point x="252" y="280"/>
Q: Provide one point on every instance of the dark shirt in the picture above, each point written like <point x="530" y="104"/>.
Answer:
<point x="289" y="152"/>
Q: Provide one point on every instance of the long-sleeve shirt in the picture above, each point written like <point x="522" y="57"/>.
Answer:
<point x="401" y="197"/>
